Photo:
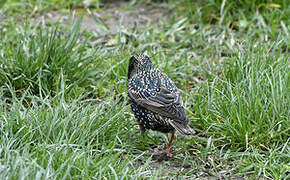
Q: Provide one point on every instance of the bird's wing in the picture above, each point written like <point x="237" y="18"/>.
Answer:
<point x="162" y="101"/>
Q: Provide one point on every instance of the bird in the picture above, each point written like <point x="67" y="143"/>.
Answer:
<point x="155" y="100"/>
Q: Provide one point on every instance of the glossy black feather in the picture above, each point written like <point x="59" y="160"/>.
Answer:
<point x="154" y="98"/>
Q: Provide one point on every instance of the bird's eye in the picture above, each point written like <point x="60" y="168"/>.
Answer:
<point x="158" y="90"/>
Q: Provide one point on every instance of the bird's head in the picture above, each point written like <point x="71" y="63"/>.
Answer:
<point x="139" y="63"/>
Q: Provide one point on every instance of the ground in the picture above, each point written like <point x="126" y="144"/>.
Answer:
<point x="64" y="110"/>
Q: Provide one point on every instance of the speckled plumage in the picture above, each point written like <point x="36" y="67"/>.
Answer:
<point x="154" y="98"/>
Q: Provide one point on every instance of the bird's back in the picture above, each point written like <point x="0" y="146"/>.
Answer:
<point x="156" y="102"/>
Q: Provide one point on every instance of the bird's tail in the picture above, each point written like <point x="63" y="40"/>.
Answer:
<point x="183" y="129"/>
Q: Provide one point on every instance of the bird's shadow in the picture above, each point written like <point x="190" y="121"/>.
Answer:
<point x="160" y="157"/>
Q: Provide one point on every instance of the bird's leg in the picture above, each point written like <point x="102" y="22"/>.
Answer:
<point x="143" y="135"/>
<point x="167" y="150"/>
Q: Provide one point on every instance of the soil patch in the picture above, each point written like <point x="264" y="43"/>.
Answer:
<point x="113" y="17"/>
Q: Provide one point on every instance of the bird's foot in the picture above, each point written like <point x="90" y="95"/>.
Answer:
<point x="164" y="151"/>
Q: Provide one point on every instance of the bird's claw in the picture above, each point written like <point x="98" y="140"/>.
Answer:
<point x="163" y="151"/>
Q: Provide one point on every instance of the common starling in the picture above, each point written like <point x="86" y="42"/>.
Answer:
<point x="155" y="100"/>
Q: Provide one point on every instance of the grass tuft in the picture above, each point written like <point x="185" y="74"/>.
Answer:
<point x="45" y="56"/>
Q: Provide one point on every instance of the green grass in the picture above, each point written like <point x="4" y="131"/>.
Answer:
<point x="63" y="103"/>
